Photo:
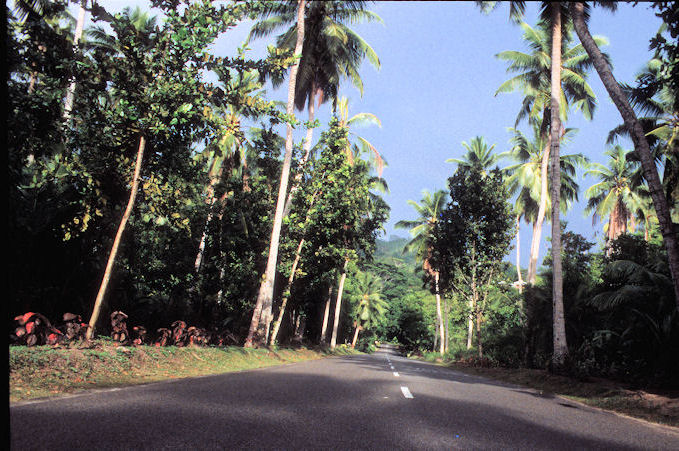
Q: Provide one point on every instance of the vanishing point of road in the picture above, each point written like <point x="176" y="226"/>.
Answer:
<point x="379" y="401"/>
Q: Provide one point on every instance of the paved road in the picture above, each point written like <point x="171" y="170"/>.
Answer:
<point x="380" y="401"/>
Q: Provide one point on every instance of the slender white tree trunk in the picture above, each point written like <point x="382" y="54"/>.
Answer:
<point x="439" y="315"/>
<point x="116" y="242"/>
<point x="338" y="305"/>
<point x="261" y="316"/>
<point x="470" y="323"/>
<point x="542" y="210"/>
<point x="518" y="253"/>
<point x="286" y="293"/>
<point x="326" y="315"/>
<point x="211" y="199"/>
<point x="307" y="151"/>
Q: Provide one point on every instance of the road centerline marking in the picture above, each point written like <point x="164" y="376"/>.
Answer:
<point x="406" y="392"/>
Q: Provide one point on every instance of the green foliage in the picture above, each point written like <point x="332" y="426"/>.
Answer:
<point x="475" y="229"/>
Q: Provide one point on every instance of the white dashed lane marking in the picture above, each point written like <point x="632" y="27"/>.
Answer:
<point x="406" y="393"/>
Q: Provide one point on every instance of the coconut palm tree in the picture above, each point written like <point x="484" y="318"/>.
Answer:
<point x="354" y="153"/>
<point x="525" y="178"/>
<point x="479" y="155"/>
<point x="556" y="16"/>
<point x="331" y="52"/>
<point x="580" y="14"/>
<point x="225" y="150"/>
<point x="422" y="229"/>
<point x="660" y="122"/>
<point x="533" y="76"/>
<point x="534" y="80"/>
<point x="369" y="306"/>
<point x="616" y="195"/>
<point x="262" y="311"/>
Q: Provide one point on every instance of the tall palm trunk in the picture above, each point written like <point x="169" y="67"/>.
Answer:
<point x="326" y="315"/>
<point x="542" y="210"/>
<point x="470" y="324"/>
<point x="355" y="339"/>
<point x="307" y="150"/>
<point x="116" y="242"/>
<point x="338" y="305"/>
<point x="476" y="308"/>
<point x="670" y="236"/>
<point x="211" y="199"/>
<point x="446" y="322"/>
<point x="261" y="316"/>
<point x="518" y="253"/>
<point x="293" y="270"/>
<point x="79" y="26"/>
<point x="286" y="294"/>
<point x="439" y="315"/>
<point x="436" y="335"/>
<point x="559" y="322"/>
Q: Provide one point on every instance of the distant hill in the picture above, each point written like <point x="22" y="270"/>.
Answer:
<point x="392" y="249"/>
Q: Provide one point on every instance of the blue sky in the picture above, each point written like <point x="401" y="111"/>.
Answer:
<point x="436" y="89"/>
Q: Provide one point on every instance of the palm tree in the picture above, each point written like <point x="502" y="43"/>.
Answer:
<point x="222" y="151"/>
<point x="361" y="146"/>
<point x="580" y="13"/>
<point x="479" y="155"/>
<point x="331" y="51"/>
<point x="555" y="14"/>
<point x="616" y="195"/>
<point x="370" y="307"/>
<point x="533" y="72"/>
<point x="422" y="229"/>
<point x="353" y="151"/>
<point x="655" y="104"/>
<point x="50" y="15"/>
<point x="534" y="80"/>
<point x="263" y="305"/>
<point x="143" y="25"/>
<point x="525" y="178"/>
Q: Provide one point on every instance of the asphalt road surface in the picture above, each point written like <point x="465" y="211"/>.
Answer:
<point x="380" y="401"/>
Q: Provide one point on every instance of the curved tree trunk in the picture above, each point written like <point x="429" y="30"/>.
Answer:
<point x="670" y="236"/>
<point x="116" y="242"/>
<point x="338" y="305"/>
<point x="307" y="151"/>
<point x="542" y="210"/>
<point x="261" y="316"/>
<point x="559" y="322"/>
<point x="355" y="339"/>
<point x="211" y="199"/>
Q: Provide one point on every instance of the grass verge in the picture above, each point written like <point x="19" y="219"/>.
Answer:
<point x="43" y="371"/>
<point x="657" y="406"/>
